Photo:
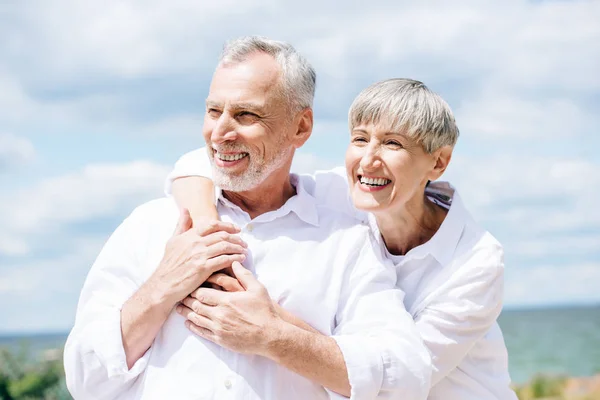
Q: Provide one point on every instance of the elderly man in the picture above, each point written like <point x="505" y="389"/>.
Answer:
<point x="135" y="336"/>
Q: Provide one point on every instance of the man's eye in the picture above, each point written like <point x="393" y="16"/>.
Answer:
<point x="247" y="114"/>
<point x="214" y="112"/>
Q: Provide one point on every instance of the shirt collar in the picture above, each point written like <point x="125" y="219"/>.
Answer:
<point x="442" y="245"/>
<point x="303" y="204"/>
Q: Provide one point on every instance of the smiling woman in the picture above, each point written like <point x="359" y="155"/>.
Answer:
<point x="451" y="269"/>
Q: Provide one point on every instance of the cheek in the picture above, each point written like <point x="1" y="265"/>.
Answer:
<point x="207" y="128"/>
<point x="352" y="159"/>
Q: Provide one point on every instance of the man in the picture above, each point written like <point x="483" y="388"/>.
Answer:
<point x="138" y="334"/>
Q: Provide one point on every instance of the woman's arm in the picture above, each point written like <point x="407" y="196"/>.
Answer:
<point x="190" y="183"/>
<point x="463" y="310"/>
<point x="197" y="195"/>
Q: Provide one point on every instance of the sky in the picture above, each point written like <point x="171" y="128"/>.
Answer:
<point x="99" y="99"/>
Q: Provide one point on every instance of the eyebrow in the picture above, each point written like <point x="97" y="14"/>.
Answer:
<point x="238" y="106"/>
<point x="385" y="134"/>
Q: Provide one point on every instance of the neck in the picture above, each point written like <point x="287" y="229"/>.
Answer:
<point x="411" y="225"/>
<point x="270" y="195"/>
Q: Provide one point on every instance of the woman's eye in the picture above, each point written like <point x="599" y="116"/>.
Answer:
<point x="392" y="143"/>
<point x="359" y="140"/>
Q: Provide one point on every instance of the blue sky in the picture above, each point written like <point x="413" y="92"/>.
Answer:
<point x="98" y="100"/>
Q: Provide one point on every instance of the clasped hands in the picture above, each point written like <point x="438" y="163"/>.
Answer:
<point x="236" y="311"/>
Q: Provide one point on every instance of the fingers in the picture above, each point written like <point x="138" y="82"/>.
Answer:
<point x="223" y="261"/>
<point x="208" y="297"/>
<point x="217" y="237"/>
<point x="216" y="226"/>
<point x="245" y="277"/>
<point x="184" y="223"/>
<point x="200" y="331"/>
<point x="225" y="282"/>
<point x="197" y="306"/>
<point x="196" y="319"/>
<point x="222" y="248"/>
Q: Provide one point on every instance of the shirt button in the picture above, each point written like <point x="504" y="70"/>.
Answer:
<point x="249" y="227"/>
<point x="228" y="384"/>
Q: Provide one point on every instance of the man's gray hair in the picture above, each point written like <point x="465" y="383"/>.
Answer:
<point x="298" y="76"/>
<point x="409" y="107"/>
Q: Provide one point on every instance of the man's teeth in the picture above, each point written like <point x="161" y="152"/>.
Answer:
<point x="231" y="157"/>
<point x="374" y="181"/>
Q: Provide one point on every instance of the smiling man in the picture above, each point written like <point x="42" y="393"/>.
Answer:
<point x="145" y="329"/>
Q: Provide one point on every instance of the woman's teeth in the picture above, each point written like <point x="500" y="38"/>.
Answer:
<point x="374" y="181"/>
<point x="231" y="157"/>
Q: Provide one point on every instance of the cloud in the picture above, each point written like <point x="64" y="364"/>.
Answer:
<point x="123" y="60"/>
<point x="551" y="285"/>
<point x="47" y="209"/>
<point x="14" y="150"/>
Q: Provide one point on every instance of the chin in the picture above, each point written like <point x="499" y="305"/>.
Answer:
<point x="367" y="204"/>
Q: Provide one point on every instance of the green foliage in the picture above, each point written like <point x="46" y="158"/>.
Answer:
<point x="545" y="386"/>
<point x="22" y="379"/>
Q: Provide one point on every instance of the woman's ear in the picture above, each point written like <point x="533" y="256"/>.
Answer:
<point x="442" y="157"/>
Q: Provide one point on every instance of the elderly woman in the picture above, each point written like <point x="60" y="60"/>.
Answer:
<point x="451" y="269"/>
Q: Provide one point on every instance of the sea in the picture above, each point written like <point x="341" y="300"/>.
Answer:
<point x="561" y="340"/>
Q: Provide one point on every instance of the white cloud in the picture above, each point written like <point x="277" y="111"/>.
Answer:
<point x="307" y="163"/>
<point x="513" y="46"/>
<point x="14" y="150"/>
<point x="506" y="116"/>
<point x="96" y="191"/>
<point x="543" y="285"/>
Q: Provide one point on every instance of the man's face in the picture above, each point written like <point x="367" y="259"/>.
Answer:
<point x="246" y="125"/>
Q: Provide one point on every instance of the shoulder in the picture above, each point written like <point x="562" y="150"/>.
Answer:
<point x="154" y="214"/>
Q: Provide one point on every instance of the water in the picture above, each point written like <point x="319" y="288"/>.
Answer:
<point x="559" y="340"/>
<point x="555" y="341"/>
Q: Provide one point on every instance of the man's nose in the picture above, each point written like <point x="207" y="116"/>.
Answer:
<point x="223" y="130"/>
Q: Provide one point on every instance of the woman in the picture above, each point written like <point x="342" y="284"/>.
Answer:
<point x="401" y="141"/>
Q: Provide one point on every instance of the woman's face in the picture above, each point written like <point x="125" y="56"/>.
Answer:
<point x="387" y="169"/>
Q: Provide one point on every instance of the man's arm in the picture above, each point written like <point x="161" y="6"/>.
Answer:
<point x="383" y="353"/>
<point x="118" y="315"/>
<point x="248" y="322"/>
<point x="375" y="351"/>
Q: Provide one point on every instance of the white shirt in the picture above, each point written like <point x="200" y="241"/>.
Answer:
<point x="316" y="262"/>
<point x="453" y="284"/>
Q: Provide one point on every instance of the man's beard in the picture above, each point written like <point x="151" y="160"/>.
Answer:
<point x="257" y="171"/>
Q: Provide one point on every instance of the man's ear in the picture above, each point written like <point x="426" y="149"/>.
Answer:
<point x="442" y="157"/>
<point x="304" y="126"/>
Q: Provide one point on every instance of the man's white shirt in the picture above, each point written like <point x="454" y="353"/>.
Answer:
<point x="453" y="286"/>
<point x="316" y="262"/>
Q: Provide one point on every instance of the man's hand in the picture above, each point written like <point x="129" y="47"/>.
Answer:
<point x="193" y="254"/>
<point x="244" y="321"/>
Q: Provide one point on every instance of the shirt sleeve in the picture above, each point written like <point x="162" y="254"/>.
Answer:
<point x="330" y="189"/>
<point x="193" y="163"/>
<point x="384" y="354"/>
<point x="94" y="357"/>
<point x="464" y="309"/>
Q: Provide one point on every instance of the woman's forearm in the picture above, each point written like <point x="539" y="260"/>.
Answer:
<point x="197" y="194"/>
